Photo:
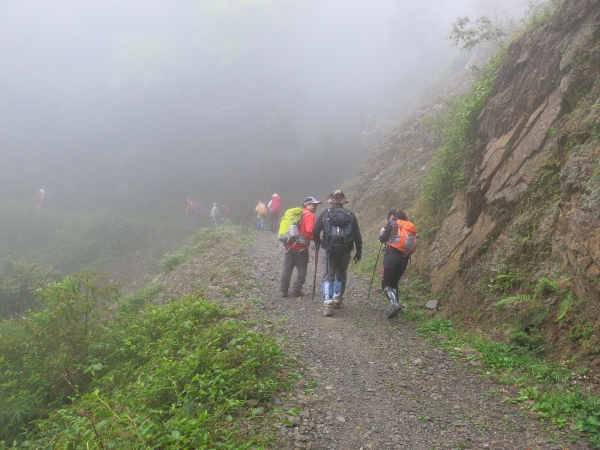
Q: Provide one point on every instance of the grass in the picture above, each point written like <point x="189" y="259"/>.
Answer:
<point x="67" y="241"/>
<point x="187" y="375"/>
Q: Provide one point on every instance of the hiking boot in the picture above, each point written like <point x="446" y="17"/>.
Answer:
<point x="297" y="294"/>
<point x="392" y="295"/>
<point x="328" y="312"/>
<point x="337" y="301"/>
<point x="284" y="293"/>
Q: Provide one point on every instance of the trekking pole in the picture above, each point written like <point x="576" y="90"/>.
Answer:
<point x="315" y="277"/>
<point x="373" y="276"/>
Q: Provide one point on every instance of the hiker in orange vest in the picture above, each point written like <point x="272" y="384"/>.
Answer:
<point x="399" y="235"/>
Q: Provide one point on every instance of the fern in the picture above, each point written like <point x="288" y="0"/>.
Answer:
<point x="564" y="307"/>
<point x="545" y="287"/>
<point x="515" y="299"/>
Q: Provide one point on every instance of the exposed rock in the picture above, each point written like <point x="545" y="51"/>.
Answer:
<point x="432" y="304"/>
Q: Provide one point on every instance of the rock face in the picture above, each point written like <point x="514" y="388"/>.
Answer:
<point x="541" y="107"/>
<point x="532" y="203"/>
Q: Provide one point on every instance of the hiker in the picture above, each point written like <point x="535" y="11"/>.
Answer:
<point x="340" y="235"/>
<point x="41" y="195"/>
<point x="214" y="215"/>
<point x="190" y="210"/>
<point x="261" y="212"/>
<point x="296" y="255"/>
<point x="226" y="214"/>
<point x="399" y="235"/>
<point x="274" y="206"/>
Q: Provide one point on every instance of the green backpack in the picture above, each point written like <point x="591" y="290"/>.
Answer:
<point x="289" y="227"/>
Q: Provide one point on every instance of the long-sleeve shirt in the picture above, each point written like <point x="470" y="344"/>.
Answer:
<point x="306" y="230"/>
<point x="321" y="221"/>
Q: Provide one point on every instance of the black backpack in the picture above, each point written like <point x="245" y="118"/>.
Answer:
<point x="338" y="236"/>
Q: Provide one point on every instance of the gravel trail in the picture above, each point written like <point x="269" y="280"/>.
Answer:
<point x="373" y="383"/>
<point x="367" y="382"/>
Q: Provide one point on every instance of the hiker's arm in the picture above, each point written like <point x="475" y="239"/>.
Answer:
<point x="357" y="236"/>
<point x="383" y="237"/>
<point x="316" y="231"/>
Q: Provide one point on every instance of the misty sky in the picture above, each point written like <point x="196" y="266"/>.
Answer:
<point x="109" y="97"/>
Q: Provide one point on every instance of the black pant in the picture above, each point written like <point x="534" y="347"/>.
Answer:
<point x="391" y="275"/>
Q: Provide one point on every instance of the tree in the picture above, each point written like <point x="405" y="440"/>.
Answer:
<point x="484" y="29"/>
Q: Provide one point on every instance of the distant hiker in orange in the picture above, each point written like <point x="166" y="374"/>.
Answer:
<point x="261" y="213"/>
<point x="41" y="195"/>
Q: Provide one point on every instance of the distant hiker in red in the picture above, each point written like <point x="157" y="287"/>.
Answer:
<point x="190" y="210"/>
<point x="274" y="211"/>
<point x="41" y="195"/>
<point x="226" y="214"/>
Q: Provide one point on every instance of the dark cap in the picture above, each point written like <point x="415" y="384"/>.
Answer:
<point x="309" y="200"/>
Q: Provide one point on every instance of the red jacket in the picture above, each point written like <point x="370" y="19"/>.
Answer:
<point x="306" y="226"/>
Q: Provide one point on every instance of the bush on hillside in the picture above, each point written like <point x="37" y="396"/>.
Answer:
<point x="19" y="282"/>
<point x="44" y="357"/>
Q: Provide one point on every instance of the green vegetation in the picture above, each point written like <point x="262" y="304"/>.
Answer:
<point x="202" y="242"/>
<point x="188" y="375"/>
<point x="485" y="30"/>
<point x="19" y="282"/>
<point x="457" y="127"/>
<point x="64" y="240"/>
<point x="542" y="382"/>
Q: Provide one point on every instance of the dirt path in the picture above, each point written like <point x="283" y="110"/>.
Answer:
<point x="376" y="383"/>
<point x="367" y="382"/>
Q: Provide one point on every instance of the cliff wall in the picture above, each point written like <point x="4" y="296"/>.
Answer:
<point x="531" y="209"/>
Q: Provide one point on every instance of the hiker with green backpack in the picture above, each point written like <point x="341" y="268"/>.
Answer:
<point x="295" y="231"/>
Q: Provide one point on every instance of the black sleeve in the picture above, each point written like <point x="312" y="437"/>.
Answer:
<point x="386" y="232"/>
<point x="318" y="228"/>
<point x="357" y="236"/>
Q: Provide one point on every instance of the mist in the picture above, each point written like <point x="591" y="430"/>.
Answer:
<point x="134" y="105"/>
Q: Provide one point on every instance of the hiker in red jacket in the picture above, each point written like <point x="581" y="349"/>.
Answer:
<point x="296" y="255"/>
<point x="274" y="211"/>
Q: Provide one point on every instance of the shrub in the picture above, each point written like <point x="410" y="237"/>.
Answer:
<point x="176" y="377"/>
<point x="44" y="356"/>
<point x="19" y="282"/>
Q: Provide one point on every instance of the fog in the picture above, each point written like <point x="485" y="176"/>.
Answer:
<point x="137" y="104"/>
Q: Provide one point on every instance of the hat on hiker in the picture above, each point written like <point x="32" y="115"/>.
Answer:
<point x="311" y="200"/>
<point x="215" y="204"/>
<point x="337" y="196"/>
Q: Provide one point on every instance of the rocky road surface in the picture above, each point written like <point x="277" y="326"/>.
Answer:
<point x="367" y="382"/>
<point x="373" y="383"/>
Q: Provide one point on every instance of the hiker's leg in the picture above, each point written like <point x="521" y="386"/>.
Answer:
<point x="341" y="273"/>
<point x="301" y="258"/>
<point x="286" y="272"/>
<point x="328" y="279"/>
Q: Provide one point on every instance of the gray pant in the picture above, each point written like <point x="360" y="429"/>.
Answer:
<point x="335" y="268"/>
<point x="298" y="259"/>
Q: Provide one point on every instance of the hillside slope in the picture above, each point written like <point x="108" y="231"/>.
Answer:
<point x="531" y="208"/>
